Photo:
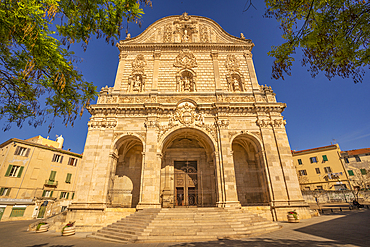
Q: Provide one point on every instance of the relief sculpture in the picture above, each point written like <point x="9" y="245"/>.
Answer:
<point x="136" y="81"/>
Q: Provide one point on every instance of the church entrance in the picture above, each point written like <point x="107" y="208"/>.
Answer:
<point x="186" y="183"/>
<point x="188" y="171"/>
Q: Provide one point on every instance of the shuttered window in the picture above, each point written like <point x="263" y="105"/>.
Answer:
<point x="52" y="176"/>
<point x="363" y="171"/>
<point x="14" y="171"/>
<point x="324" y="158"/>
<point x="350" y="172"/>
<point x="22" y="151"/>
<point x="300" y="161"/>
<point x="5" y="191"/>
<point x="68" y="178"/>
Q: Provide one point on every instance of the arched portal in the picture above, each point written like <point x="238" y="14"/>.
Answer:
<point x="251" y="182"/>
<point x="188" y="170"/>
<point x="127" y="176"/>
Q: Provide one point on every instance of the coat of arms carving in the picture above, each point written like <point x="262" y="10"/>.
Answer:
<point x="185" y="60"/>
<point x="186" y="114"/>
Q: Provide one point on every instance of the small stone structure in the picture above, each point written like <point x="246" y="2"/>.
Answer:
<point x="186" y="124"/>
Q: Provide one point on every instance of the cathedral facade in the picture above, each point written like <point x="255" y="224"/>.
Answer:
<point x="186" y="124"/>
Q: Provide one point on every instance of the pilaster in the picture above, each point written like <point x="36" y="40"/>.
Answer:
<point x="216" y="70"/>
<point x="252" y="71"/>
<point x="121" y="68"/>
<point x="156" y="56"/>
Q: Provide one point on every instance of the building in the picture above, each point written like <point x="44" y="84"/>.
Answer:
<point x="321" y="169"/>
<point x="37" y="178"/>
<point x="357" y="164"/>
<point x="185" y="124"/>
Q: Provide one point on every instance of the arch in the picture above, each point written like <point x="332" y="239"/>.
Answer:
<point x="250" y="170"/>
<point x="235" y="81"/>
<point x="188" y="169"/>
<point x="186" y="81"/>
<point x="126" y="175"/>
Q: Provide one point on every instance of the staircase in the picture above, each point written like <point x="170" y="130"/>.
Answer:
<point x="185" y="225"/>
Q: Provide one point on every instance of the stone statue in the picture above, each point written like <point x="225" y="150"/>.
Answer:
<point x="136" y="85"/>
<point x="236" y="85"/>
<point x="186" y="84"/>
<point x="186" y="37"/>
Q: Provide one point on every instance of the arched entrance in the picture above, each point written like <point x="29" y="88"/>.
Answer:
<point x="188" y="170"/>
<point x="250" y="175"/>
<point x="125" y="189"/>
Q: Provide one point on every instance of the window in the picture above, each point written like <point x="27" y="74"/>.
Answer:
<point x="319" y="187"/>
<point x="327" y="169"/>
<point x="64" y="195"/>
<point x="363" y="171"/>
<point x="313" y="160"/>
<point x="68" y="178"/>
<point x="324" y="158"/>
<point x="14" y="171"/>
<point x="22" y="151"/>
<point x="52" y="176"/>
<point x="5" y="191"/>
<point x="302" y="172"/>
<point x="357" y="158"/>
<point x="72" y="162"/>
<point x="317" y="170"/>
<point x="64" y="208"/>
<point x="307" y="188"/>
<point x="300" y="161"/>
<point x="350" y="172"/>
<point x="18" y="211"/>
<point x="346" y="160"/>
<point x="57" y="158"/>
<point x="73" y="195"/>
<point x="47" y="193"/>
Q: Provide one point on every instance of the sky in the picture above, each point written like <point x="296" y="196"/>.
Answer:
<point x="319" y="112"/>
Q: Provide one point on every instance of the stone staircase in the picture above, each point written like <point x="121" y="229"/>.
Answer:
<point x="185" y="225"/>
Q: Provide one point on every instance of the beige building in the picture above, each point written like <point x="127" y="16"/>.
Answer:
<point x="37" y="178"/>
<point x="186" y="124"/>
<point x="357" y="163"/>
<point x="321" y="168"/>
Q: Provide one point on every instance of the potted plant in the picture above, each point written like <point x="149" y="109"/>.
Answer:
<point x="42" y="227"/>
<point x="69" y="229"/>
<point x="293" y="217"/>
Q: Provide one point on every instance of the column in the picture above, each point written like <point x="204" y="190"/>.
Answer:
<point x="251" y="70"/>
<point x="156" y="56"/>
<point x="151" y="170"/>
<point x="216" y="71"/>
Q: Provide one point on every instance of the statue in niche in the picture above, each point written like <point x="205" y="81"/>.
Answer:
<point x="186" y="83"/>
<point x="136" y="84"/>
<point x="186" y="36"/>
<point x="236" y="85"/>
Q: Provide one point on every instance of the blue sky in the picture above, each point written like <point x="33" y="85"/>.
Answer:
<point x="318" y="110"/>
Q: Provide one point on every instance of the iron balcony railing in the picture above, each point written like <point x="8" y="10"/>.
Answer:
<point x="51" y="183"/>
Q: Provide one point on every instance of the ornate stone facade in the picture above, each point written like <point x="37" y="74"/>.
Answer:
<point x="187" y="124"/>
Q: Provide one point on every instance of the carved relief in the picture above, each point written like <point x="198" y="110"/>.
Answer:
<point x="150" y="124"/>
<point x="185" y="28"/>
<point x="263" y="123"/>
<point x="136" y="81"/>
<point x="102" y="123"/>
<point x="186" y="114"/>
<point x="167" y="33"/>
<point x="223" y="124"/>
<point x="234" y="78"/>
<point x="204" y="36"/>
<point x="185" y="60"/>
<point x="278" y="123"/>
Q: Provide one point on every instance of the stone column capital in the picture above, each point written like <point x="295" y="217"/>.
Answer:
<point x="122" y="55"/>
<point x="214" y="54"/>
<point x="157" y="54"/>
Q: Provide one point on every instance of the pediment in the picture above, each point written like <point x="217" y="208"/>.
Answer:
<point x="185" y="29"/>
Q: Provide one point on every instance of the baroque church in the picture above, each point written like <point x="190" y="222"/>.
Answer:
<point x="186" y="124"/>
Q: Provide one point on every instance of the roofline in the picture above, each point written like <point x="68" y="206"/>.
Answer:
<point x="16" y="140"/>
<point x="335" y="146"/>
<point x="354" y="152"/>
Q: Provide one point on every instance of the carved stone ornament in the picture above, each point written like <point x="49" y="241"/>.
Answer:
<point x="136" y="81"/>
<point x="263" y="123"/>
<point x="167" y="33"/>
<point x="185" y="28"/>
<point x="138" y="64"/>
<point x="103" y="123"/>
<point x="186" y="114"/>
<point x="232" y="64"/>
<point x="149" y="124"/>
<point x="204" y="36"/>
<point x="185" y="60"/>
<point x="223" y="123"/>
<point x="277" y="123"/>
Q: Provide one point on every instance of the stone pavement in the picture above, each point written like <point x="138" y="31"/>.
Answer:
<point x="349" y="228"/>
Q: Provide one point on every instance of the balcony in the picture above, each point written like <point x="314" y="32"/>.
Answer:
<point x="50" y="183"/>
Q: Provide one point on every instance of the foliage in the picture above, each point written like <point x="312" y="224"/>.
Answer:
<point x="39" y="225"/>
<point x="70" y="224"/>
<point x="38" y="77"/>
<point x="294" y="214"/>
<point x="333" y="34"/>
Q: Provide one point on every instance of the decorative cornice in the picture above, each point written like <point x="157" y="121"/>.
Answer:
<point x="180" y="46"/>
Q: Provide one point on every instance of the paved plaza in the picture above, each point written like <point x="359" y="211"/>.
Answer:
<point x="347" y="228"/>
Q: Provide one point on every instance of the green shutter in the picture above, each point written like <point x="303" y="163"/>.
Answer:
<point x="363" y="171"/>
<point x="43" y="193"/>
<point x="51" y="193"/>
<point x="2" y="191"/>
<point x="350" y="172"/>
<point x="8" y="171"/>
<point x="8" y="192"/>
<point x="61" y="159"/>
<point x="67" y="195"/>
<point x="324" y="158"/>
<point x="61" y="194"/>
<point x="68" y="178"/>
<point x="52" y="175"/>
<point x="20" y="171"/>
<point x="73" y="195"/>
